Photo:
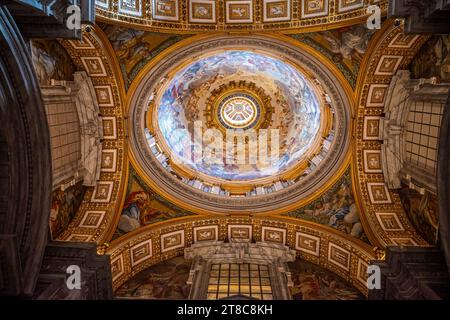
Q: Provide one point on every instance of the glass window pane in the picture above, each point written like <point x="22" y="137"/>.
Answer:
<point x="245" y="280"/>
<point x="214" y="273"/>
<point x="254" y="274"/>
<point x="234" y="280"/>
<point x="212" y="288"/>
<point x="213" y="280"/>
<point x="211" y="296"/>
<point x="234" y="289"/>
<point x="245" y="289"/>
<point x="266" y="289"/>
<point x="223" y="288"/>
<point x="234" y="273"/>
<point x="256" y="289"/>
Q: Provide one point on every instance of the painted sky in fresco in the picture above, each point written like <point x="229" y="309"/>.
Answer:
<point x="242" y="65"/>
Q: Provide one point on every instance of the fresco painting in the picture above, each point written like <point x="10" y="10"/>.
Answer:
<point x="51" y="61"/>
<point x="433" y="60"/>
<point x="345" y="47"/>
<point x="143" y="207"/>
<point x="134" y="48"/>
<point x="165" y="280"/>
<point x="422" y="211"/>
<point x="176" y="121"/>
<point x="312" y="282"/>
<point x="65" y="204"/>
<point x="336" y="208"/>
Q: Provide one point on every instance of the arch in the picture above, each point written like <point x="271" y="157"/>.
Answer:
<point x="97" y="216"/>
<point x="329" y="248"/>
<point x="387" y="54"/>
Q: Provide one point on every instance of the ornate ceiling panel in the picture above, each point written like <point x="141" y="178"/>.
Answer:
<point x="194" y="16"/>
<point x="95" y="219"/>
<point x="384" y="214"/>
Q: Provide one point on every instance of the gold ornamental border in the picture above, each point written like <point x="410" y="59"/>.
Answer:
<point x="298" y="22"/>
<point x="127" y="259"/>
<point x="95" y="46"/>
<point x="258" y="114"/>
<point x="382" y="44"/>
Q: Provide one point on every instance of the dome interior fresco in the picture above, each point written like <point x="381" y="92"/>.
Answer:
<point x="296" y="115"/>
<point x="295" y="131"/>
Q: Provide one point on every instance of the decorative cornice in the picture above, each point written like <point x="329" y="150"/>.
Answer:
<point x="293" y="16"/>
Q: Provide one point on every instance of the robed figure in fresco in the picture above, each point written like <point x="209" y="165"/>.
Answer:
<point x="138" y="211"/>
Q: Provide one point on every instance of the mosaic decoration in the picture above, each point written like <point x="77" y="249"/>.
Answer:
<point x="135" y="48"/>
<point x="276" y="10"/>
<point x="336" y="208"/>
<point x="175" y="120"/>
<point x="433" y="60"/>
<point x="65" y="204"/>
<point x="239" y="11"/>
<point x="51" y="61"/>
<point x="423" y="213"/>
<point x="345" y="47"/>
<point x="165" y="10"/>
<point x="203" y="11"/>
<point x="143" y="207"/>
<point x="165" y="280"/>
<point x="311" y="282"/>
<point x="205" y="193"/>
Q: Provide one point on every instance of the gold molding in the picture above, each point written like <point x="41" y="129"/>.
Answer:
<point x="296" y="24"/>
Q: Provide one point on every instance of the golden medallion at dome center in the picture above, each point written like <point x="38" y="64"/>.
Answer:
<point x="238" y="111"/>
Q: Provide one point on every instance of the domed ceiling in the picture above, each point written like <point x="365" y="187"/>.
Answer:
<point x="316" y="197"/>
<point x="219" y="91"/>
<point x="225" y="126"/>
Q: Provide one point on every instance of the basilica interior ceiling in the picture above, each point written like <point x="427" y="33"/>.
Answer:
<point x="309" y="69"/>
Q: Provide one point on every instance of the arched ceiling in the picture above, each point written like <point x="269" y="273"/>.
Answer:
<point x="344" y="242"/>
<point x="199" y="16"/>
